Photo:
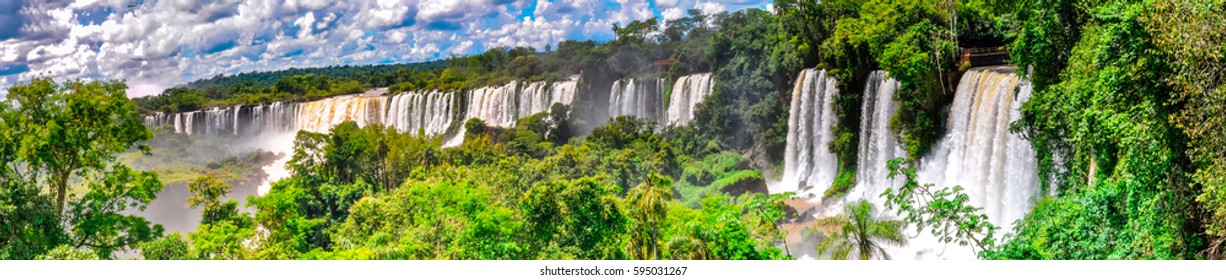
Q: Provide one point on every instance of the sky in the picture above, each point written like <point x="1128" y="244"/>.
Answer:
<point x="156" y="44"/>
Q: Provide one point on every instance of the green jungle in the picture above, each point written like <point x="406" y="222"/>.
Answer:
<point x="1127" y="122"/>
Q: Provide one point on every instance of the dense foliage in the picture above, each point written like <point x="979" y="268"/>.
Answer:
<point x="63" y="193"/>
<point x="1125" y="114"/>
<point x="1115" y="128"/>
<point x="593" y="198"/>
<point x="1195" y="54"/>
<point x="914" y="41"/>
<point x="368" y="75"/>
<point x="1126" y="119"/>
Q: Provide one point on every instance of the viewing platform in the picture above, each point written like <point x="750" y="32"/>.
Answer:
<point x="987" y="56"/>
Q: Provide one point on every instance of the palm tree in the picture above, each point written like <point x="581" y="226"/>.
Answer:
<point x="857" y="233"/>
<point x="649" y="203"/>
<point x="687" y="247"/>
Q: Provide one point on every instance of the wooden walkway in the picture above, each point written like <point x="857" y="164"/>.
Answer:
<point x="984" y="56"/>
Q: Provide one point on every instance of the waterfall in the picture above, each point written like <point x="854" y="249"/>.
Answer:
<point x="234" y="123"/>
<point x="321" y="115"/>
<point x="504" y="105"/>
<point x="187" y="122"/>
<point x="430" y="111"/>
<point x="997" y="168"/>
<point x="564" y="91"/>
<point x="433" y="112"/>
<point x="534" y="98"/>
<point x="687" y="92"/>
<point x="273" y="126"/>
<point x="637" y="97"/>
<point x="540" y="96"/>
<point x="234" y="120"/>
<point x="878" y="144"/>
<point x="495" y="105"/>
<point x="808" y="161"/>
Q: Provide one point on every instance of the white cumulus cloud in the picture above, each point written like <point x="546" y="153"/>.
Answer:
<point x="156" y="44"/>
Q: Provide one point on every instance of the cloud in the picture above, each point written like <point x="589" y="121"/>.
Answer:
<point x="158" y="44"/>
<point x="710" y="7"/>
<point x="672" y="13"/>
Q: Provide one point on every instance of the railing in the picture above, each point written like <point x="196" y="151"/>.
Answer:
<point x="982" y="50"/>
<point x="984" y="56"/>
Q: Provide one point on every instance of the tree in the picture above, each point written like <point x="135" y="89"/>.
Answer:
<point x="1105" y="132"/>
<point x="635" y="48"/>
<point x="718" y="232"/>
<point x="29" y="225"/>
<point x="945" y="211"/>
<point x="222" y="232"/>
<point x="1046" y="32"/>
<point x="746" y="109"/>
<point x="648" y="203"/>
<point x="906" y="38"/>
<point x="207" y="192"/>
<point x="294" y="231"/>
<point x="691" y="37"/>
<point x="1192" y="38"/>
<point x="66" y="252"/>
<point x="53" y="134"/>
<point x="804" y="25"/>
<point x="443" y="220"/>
<point x="171" y="247"/>
<point x="97" y="220"/>
<point x="622" y="131"/>
<point x="71" y="130"/>
<point x="559" y="129"/>
<point x="580" y="215"/>
<point x="224" y="240"/>
<point x="768" y="214"/>
<point x="856" y="233"/>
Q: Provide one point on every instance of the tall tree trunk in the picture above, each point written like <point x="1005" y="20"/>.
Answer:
<point x="787" y="249"/>
<point x="61" y="192"/>
<point x="655" y="252"/>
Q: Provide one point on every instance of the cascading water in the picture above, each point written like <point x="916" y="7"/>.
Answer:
<point x="687" y="92"/>
<point x="641" y="98"/>
<point x="431" y="112"/>
<point x="322" y="115"/>
<point x="540" y="96"/>
<point x="808" y="162"/>
<point x="997" y="168"/>
<point x="534" y="98"/>
<point x="494" y="105"/>
<point x="878" y="144"/>
<point x="564" y="91"/>
<point x="497" y="106"/>
<point x="232" y="120"/>
<point x="274" y="125"/>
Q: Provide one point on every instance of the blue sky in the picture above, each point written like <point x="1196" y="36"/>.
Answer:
<point x="154" y="44"/>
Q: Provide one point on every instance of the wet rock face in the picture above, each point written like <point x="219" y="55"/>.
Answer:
<point x="754" y="185"/>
